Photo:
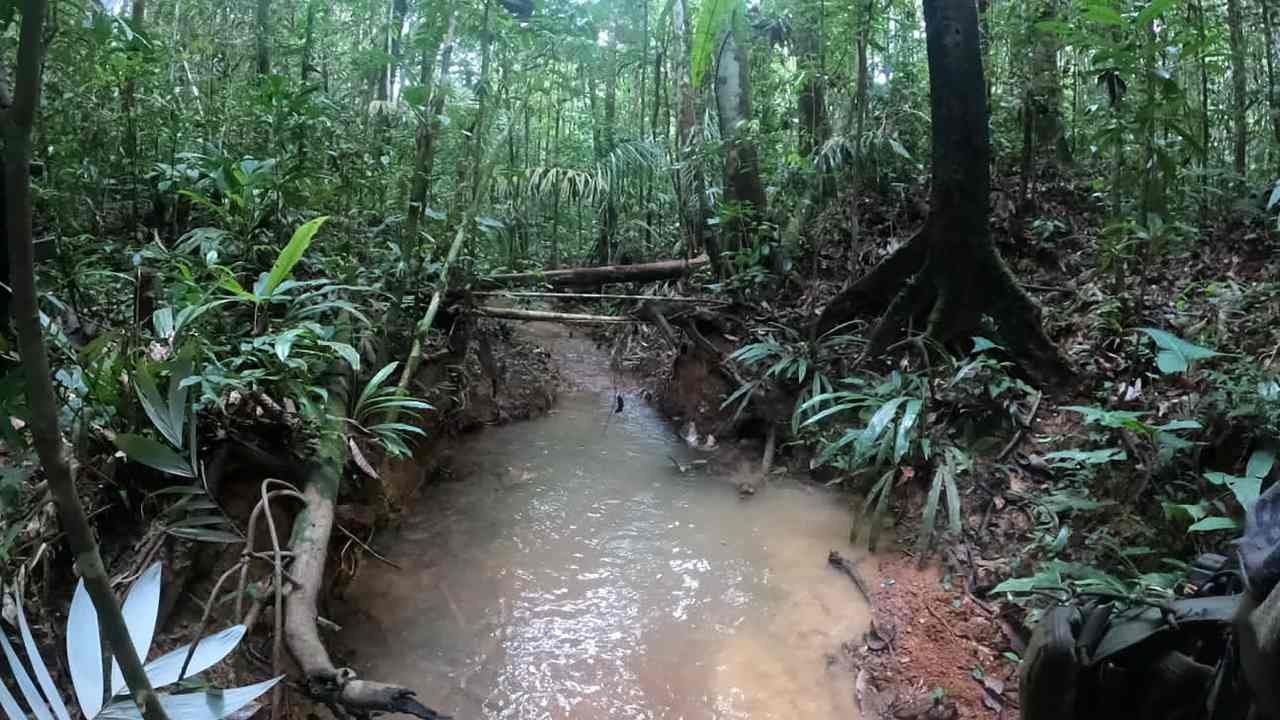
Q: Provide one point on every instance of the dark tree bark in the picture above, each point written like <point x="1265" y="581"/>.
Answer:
<point x="1269" y="48"/>
<point x="263" y="20"/>
<point x="951" y="274"/>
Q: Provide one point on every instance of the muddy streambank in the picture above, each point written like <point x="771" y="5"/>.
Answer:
<point x="588" y="563"/>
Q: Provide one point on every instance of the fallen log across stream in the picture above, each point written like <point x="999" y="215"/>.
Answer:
<point x="505" y="313"/>
<point x="644" y="272"/>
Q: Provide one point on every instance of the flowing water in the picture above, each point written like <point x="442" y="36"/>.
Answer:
<point x="570" y="570"/>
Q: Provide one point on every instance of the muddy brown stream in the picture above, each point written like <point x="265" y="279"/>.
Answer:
<point x="569" y="570"/>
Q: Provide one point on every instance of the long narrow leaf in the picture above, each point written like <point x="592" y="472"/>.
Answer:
<point x="180" y="371"/>
<point x="212" y="705"/>
<point x="953" y="503"/>
<point x="84" y="652"/>
<point x="141" y="606"/>
<point x="12" y="710"/>
<point x="37" y="662"/>
<point x="153" y="454"/>
<point x="209" y="652"/>
<point x="155" y="406"/>
<point x="876" y="426"/>
<point x="28" y="689"/>
<point x="374" y="384"/>
<point x="292" y="253"/>
<point x="902" y="444"/>
<point x="931" y="510"/>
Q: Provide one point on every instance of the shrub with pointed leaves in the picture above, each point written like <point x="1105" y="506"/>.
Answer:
<point x="97" y="699"/>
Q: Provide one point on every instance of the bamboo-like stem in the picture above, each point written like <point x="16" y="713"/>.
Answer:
<point x="18" y="122"/>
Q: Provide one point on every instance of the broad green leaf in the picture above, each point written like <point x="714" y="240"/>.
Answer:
<point x="347" y="353"/>
<point x="903" y="443"/>
<point x="179" y="371"/>
<point x="1260" y="463"/>
<point x="1176" y="354"/>
<point x="1103" y="14"/>
<point x="1210" y="524"/>
<point x="155" y="407"/>
<point x="292" y="253"/>
<point x="153" y="454"/>
<point x="876" y="426"/>
<point x="1152" y="11"/>
<point x="162" y="321"/>
<point x="284" y="343"/>
<point x="981" y="344"/>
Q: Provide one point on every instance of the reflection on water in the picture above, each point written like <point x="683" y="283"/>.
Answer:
<point x="572" y="572"/>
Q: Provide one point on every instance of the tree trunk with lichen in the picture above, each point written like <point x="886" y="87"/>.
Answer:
<point x="950" y="275"/>
<point x="743" y="189"/>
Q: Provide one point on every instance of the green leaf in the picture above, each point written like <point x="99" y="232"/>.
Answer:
<point x="903" y="443"/>
<point x="180" y="371"/>
<point x="1103" y="14"/>
<point x="347" y="353"/>
<point x="1176" y="354"/>
<point x="1152" y="11"/>
<point x="155" y="407"/>
<point x="981" y="344"/>
<point x="1210" y="524"/>
<point x="712" y="17"/>
<point x="206" y="535"/>
<point x="374" y="384"/>
<point x="899" y="149"/>
<point x="876" y="426"/>
<point x="153" y="454"/>
<point x="284" y="343"/>
<point x="1260" y="463"/>
<point x="292" y="253"/>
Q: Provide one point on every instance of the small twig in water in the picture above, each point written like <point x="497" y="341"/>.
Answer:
<point x="367" y="549"/>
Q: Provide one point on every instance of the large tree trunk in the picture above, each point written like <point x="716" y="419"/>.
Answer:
<point x="811" y="101"/>
<point x="1273" y="102"/>
<point x="689" y="184"/>
<point x="950" y="272"/>
<point x="742" y="186"/>
<point x="1239" y="85"/>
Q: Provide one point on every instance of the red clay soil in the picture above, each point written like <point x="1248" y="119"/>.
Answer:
<point x="937" y="656"/>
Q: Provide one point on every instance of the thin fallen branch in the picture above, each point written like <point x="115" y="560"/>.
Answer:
<point x="365" y="546"/>
<point x="548" y="316"/>
<point x="597" y="296"/>
<point x="845" y="566"/>
<point x="645" y="272"/>
<point x="1022" y="428"/>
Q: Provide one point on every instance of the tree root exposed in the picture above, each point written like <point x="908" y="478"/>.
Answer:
<point x="918" y="283"/>
<point x="325" y="681"/>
